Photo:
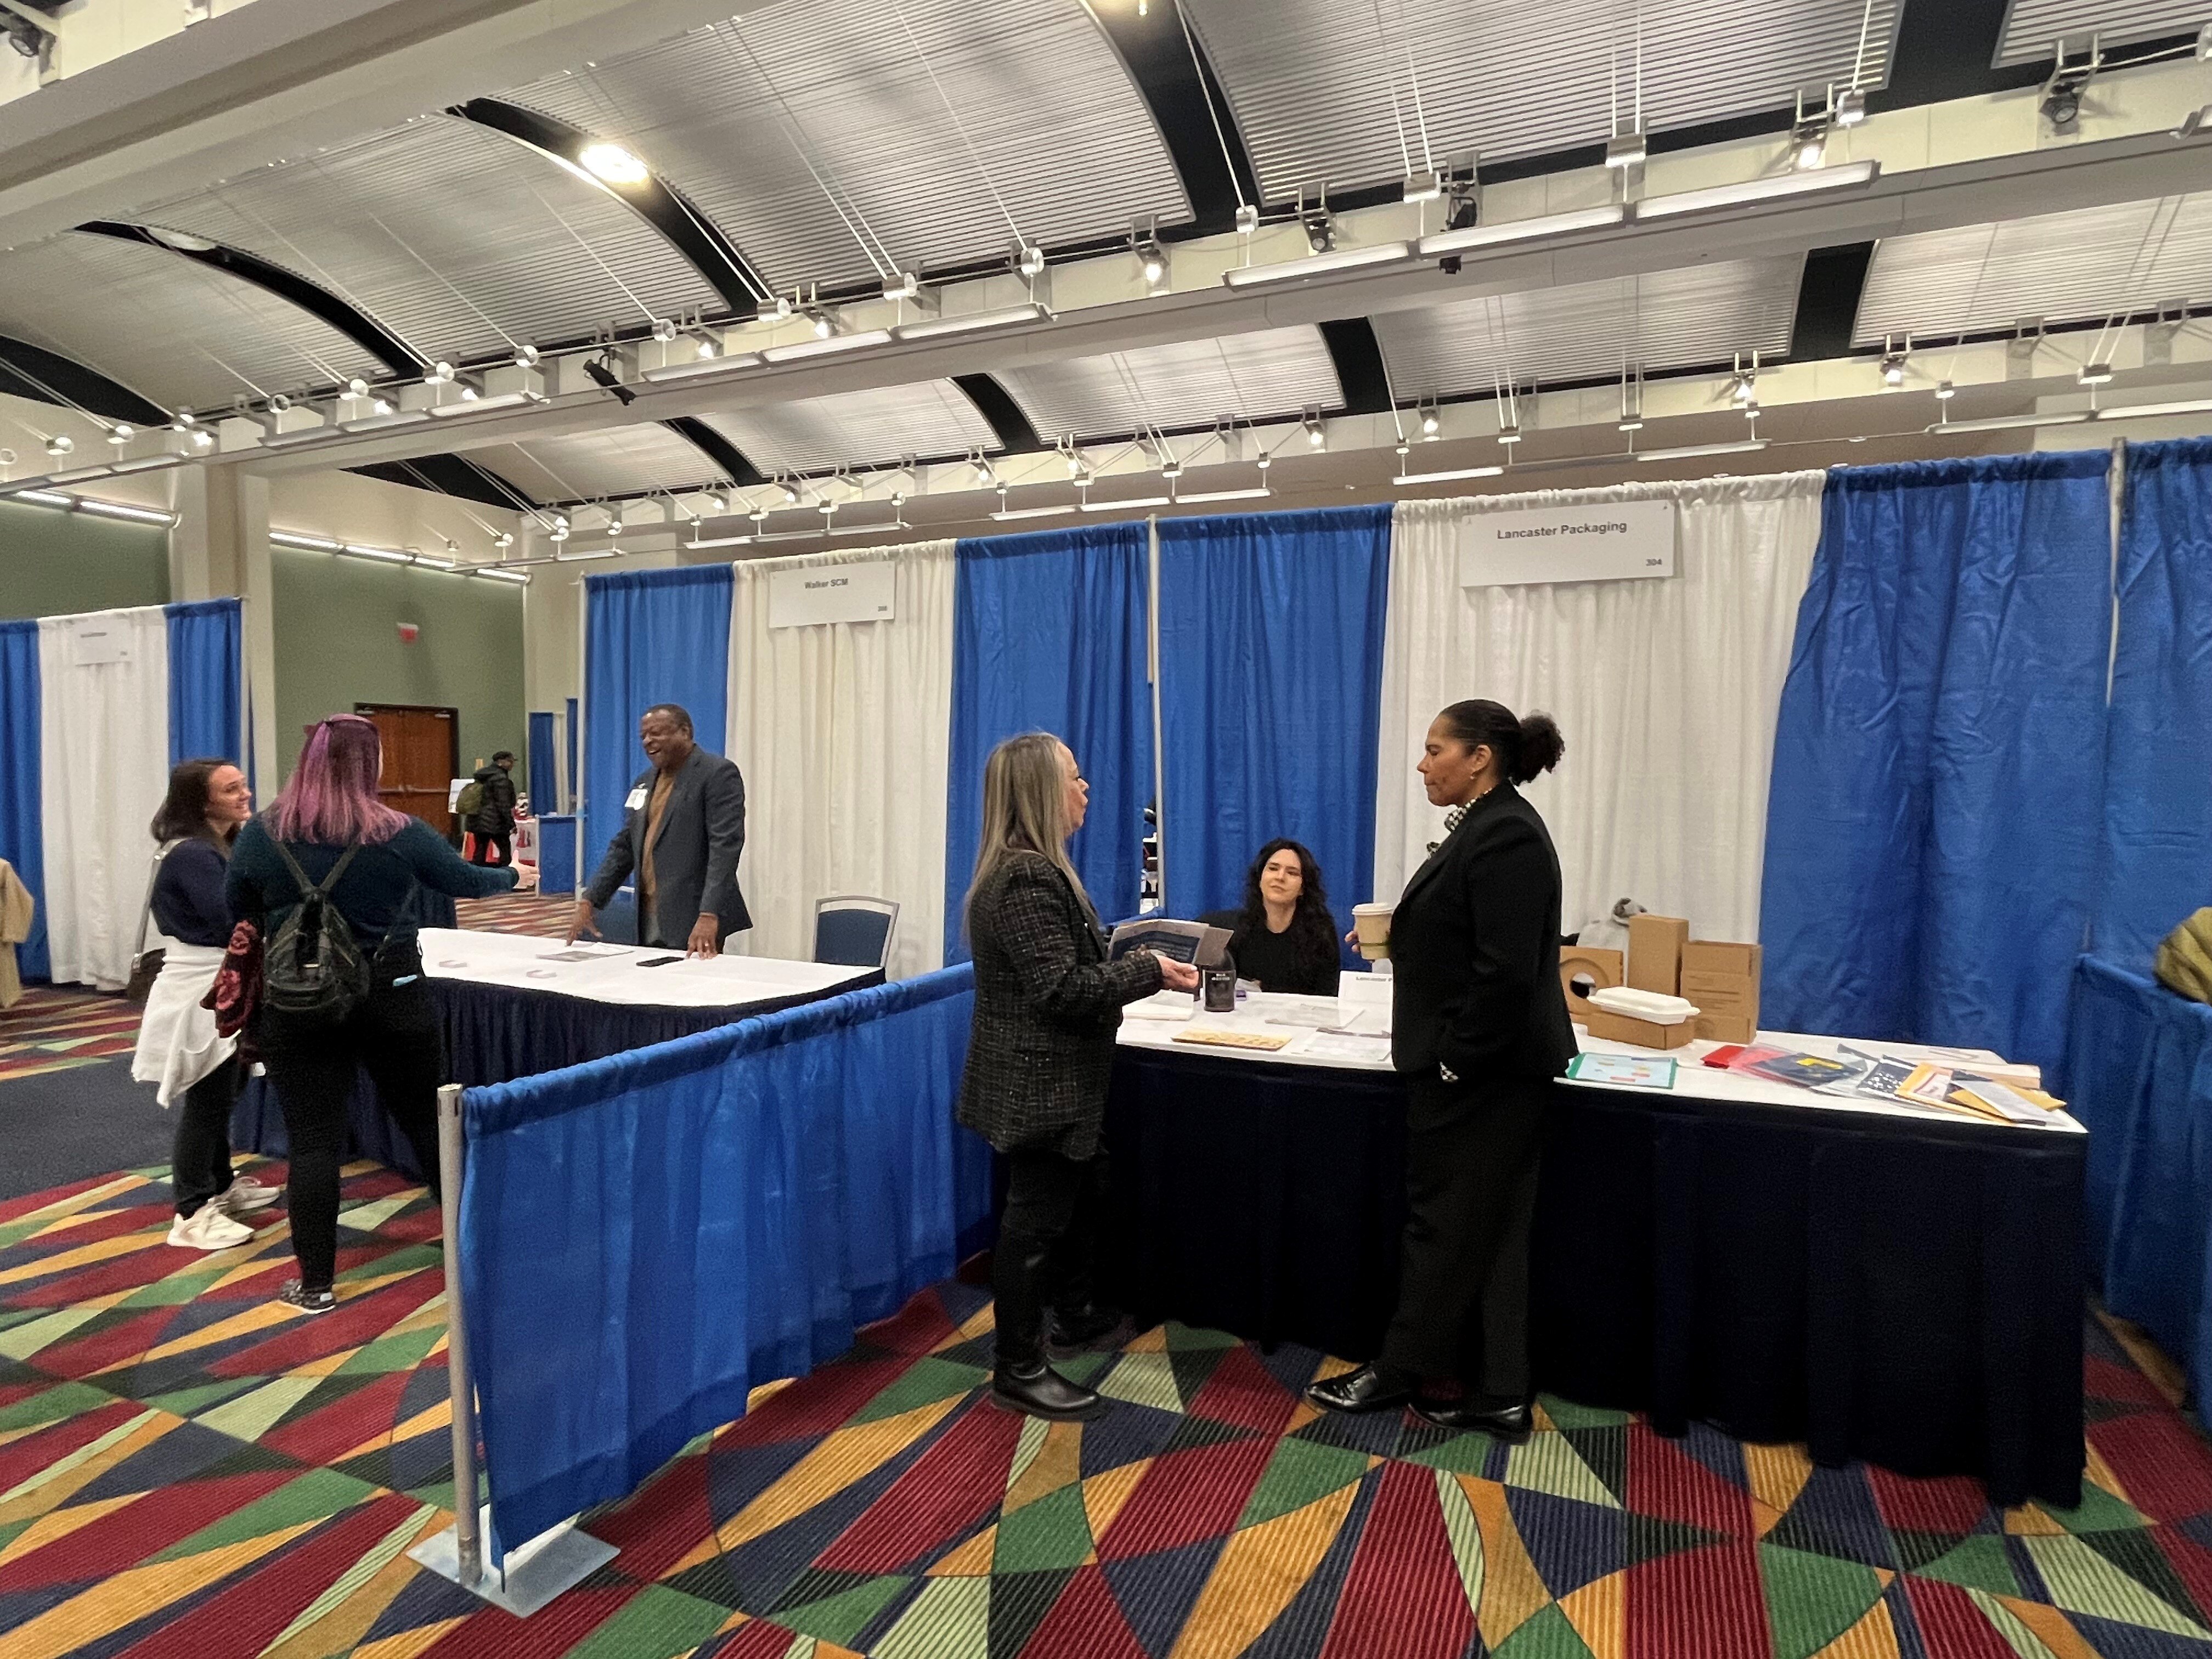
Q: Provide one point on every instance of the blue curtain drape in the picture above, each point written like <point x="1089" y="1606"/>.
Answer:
<point x="206" y="680"/>
<point x="544" y="793"/>
<point x="22" y="799"/>
<point x="1049" y="634"/>
<point x="1932" y="826"/>
<point x="756" y="1194"/>
<point x="1271" y="687"/>
<point x="571" y="779"/>
<point x="650" y="636"/>
<point x="2158" y="788"/>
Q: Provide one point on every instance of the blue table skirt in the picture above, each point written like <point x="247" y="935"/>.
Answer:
<point x="1904" y="1291"/>
<point x="493" y="1034"/>
<point x="2139" y="1064"/>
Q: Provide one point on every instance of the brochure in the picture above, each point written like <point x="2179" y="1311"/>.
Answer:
<point x="1808" y="1071"/>
<point x="1183" y="941"/>
<point x="1623" y="1071"/>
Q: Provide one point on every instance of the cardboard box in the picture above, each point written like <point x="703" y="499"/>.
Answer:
<point x="1619" y="1028"/>
<point x="1601" y="967"/>
<point x="1727" y="1003"/>
<point x="1654" y="953"/>
<point x="1705" y="956"/>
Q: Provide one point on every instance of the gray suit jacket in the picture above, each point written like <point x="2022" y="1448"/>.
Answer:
<point x="695" y="857"/>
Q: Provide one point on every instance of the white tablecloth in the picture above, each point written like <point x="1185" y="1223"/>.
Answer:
<point x="610" y="973"/>
<point x="1261" y="1011"/>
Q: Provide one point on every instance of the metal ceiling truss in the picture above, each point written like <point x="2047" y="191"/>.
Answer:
<point x="46" y="377"/>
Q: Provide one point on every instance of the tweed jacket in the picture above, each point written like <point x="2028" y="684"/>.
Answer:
<point x="1474" y="952"/>
<point x="1047" y="1004"/>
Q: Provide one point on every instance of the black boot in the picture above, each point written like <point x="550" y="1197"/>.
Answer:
<point x="1076" y="1329"/>
<point x="1041" y="1391"/>
<point x="1512" y="1423"/>
<point x="1371" y="1388"/>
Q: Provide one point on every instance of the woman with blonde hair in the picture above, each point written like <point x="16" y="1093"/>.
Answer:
<point x="1047" y="1003"/>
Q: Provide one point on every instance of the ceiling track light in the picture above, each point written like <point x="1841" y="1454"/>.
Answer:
<point x="1450" y="475"/>
<point x="1029" y="261"/>
<point x="612" y="164"/>
<point x="1432" y="422"/>
<point x="1318" y="223"/>
<point x="1316" y="435"/>
<point x="2062" y="92"/>
<point x="1320" y="265"/>
<point x="1892" y="363"/>
<point x="1852" y="107"/>
<point x="1151" y="256"/>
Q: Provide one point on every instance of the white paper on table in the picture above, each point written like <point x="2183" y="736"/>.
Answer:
<point x="1174" y="1005"/>
<point x="1346" y="1045"/>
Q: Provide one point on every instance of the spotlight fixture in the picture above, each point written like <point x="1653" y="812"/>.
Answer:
<point x="279" y="403"/>
<point x="1321" y="231"/>
<point x="707" y="348"/>
<point x="1431" y="422"/>
<point x="1509" y="432"/>
<point x="202" y="438"/>
<point x="615" y="526"/>
<point x="118" y="435"/>
<point x="1317" y="435"/>
<point x="1170" y="468"/>
<point x="1850" y="107"/>
<point x="662" y="329"/>
<point x="440" y="374"/>
<point x="1626" y="149"/>
<point x="25" y="37"/>
<point x="1892" y="366"/>
<point x="381" y="406"/>
<point x="1404" y="449"/>
<point x="1946" y="392"/>
<point x="902" y="285"/>
<point x="602" y="375"/>
<point x="824" y="324"/>
<point x="1809" y="143"/>
<point x="790" y="491"/>
<point x="1247" y="218"/>
<point x="2062" y="92"/>
<point x="560" y="532"/>
<point x="1265" y="461"/>
<point x="561" y="523"/>
<point x="356" y="387"/>
<point x="2094" y="375"/>
<point x="1029" y="260"/>
<point x="982" y="468"/>
<point x="1743" y="385"/>
<point x="504" y="540"/>
<point x="1151" y="257"/>
<point x="2062" y="106"/>
<point x="613" y="164"/>
<point x="60" y="445"/>
<point x="526" y="356"/>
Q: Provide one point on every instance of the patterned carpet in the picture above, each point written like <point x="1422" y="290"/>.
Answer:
<point x="54" y="1029"/>
<point x="187" y="1468"/>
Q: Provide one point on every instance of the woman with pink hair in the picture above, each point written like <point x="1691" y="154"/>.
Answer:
<point x="327" y="813"/>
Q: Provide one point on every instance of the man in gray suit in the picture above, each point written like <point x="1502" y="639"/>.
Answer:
<point x="683" y="826"/>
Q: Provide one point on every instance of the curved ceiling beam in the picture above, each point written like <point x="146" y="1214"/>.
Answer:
<point x="357" y="324"/>
<point x="688" y="230"/>
<point x="727" y="458"/>
<point x="997" y="405"/>
<point x="1358" y="355"/>
<point x="1186" y="100"/>
<point x="451" y="475"/>
<point x="33" y="371"/>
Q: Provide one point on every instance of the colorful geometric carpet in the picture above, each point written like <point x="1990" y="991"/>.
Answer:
<point x="187" y="1468"/>
<point x="55" y="1028"/>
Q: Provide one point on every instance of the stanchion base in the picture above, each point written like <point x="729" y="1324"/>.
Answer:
<point x="557" y="1559"/>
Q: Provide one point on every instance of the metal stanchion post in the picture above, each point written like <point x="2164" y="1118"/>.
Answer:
<point x="540" y="1570"/>
<point x="468" y="1536"/>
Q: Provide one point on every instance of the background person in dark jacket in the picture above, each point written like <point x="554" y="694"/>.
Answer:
<point x="683" y="828"/>
<point x="1284" y="938"/>
<point x="494" y="823"/>
<point x="195" y="1069"/>
<point x="1480" y="1030"/>
<point x="330" y="805"/>
<point x="1047" y="1004"/>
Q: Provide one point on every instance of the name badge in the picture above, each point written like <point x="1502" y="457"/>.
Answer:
<point x="636" y="799"/>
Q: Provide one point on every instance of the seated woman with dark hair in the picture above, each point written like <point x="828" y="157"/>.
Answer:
<point x="1285" y="937"/>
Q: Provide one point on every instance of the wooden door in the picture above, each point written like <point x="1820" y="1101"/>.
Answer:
<point x="422" y="755"/>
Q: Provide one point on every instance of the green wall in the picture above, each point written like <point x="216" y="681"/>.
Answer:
<point x="54" y="563"/>
<point x="337" y="643"/>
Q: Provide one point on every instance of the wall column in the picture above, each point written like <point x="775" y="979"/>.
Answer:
<point x="219" y="548"/>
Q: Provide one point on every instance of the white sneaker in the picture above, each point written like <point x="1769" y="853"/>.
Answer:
<point x="245" y="1195"/>
<point x="209" y="1230"/>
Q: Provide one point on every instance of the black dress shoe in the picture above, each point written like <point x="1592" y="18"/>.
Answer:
<point x="1041" y="1391"/>
<point x="1077" y="1329"/>
<point x="1500" y="1422"/>
<point x="1369" y="1388"/>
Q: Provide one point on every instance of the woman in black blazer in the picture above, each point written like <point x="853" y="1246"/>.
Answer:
<point x="1480" y="1030"/>
<point x="1047" y="1003"/>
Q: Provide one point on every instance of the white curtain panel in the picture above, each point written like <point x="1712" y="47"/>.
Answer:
<point x="104" y="767"/>
<point x="1665" y="690"/>
<point x="843" y="732"/>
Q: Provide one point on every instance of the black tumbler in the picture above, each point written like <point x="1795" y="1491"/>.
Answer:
<point x="1220" y="985"/>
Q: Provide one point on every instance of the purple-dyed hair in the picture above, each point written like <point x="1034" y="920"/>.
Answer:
<point x="331" y="798"/>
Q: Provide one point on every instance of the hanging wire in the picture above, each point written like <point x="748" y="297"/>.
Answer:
<point x="482" y="315"/>
<point x="854" y="221"/>
<point x="959" y="127"/>
<point x="1220" y="136"/>
<point x="1413" y="75"/>
<point x="321" y="273"/>
<point x="258" y="322"/>
<point x="644" y="310"/>
<point x="1397" y="114"/>
<point x="2141" y="270"/>
<point x="1858" y="59"/>
<point x="62" y="398"/>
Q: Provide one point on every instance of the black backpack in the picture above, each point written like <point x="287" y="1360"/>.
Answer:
<point x="312" y="971"/>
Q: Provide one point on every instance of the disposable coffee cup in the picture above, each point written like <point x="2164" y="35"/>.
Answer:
<point x="1370" y="923"/>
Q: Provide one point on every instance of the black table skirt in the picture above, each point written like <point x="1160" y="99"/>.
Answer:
<point x="1905" y="1291"/>
<point x="495" y="1034"/>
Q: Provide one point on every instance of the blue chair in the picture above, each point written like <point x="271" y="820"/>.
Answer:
<point x="854" y="930"/>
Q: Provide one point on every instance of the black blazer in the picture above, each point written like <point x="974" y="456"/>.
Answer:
<point x="1474" y="952"/>
<point x="1047" y="1004"/>
<point x="694" y="856"/>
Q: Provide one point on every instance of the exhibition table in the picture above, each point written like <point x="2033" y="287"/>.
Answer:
<point x="2139" y="1073"/>
<point x="1895" y="1284"/>
<point x="514" y="1006"/>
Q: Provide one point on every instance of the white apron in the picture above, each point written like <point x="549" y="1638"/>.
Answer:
<point x="177" y="1041"/>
